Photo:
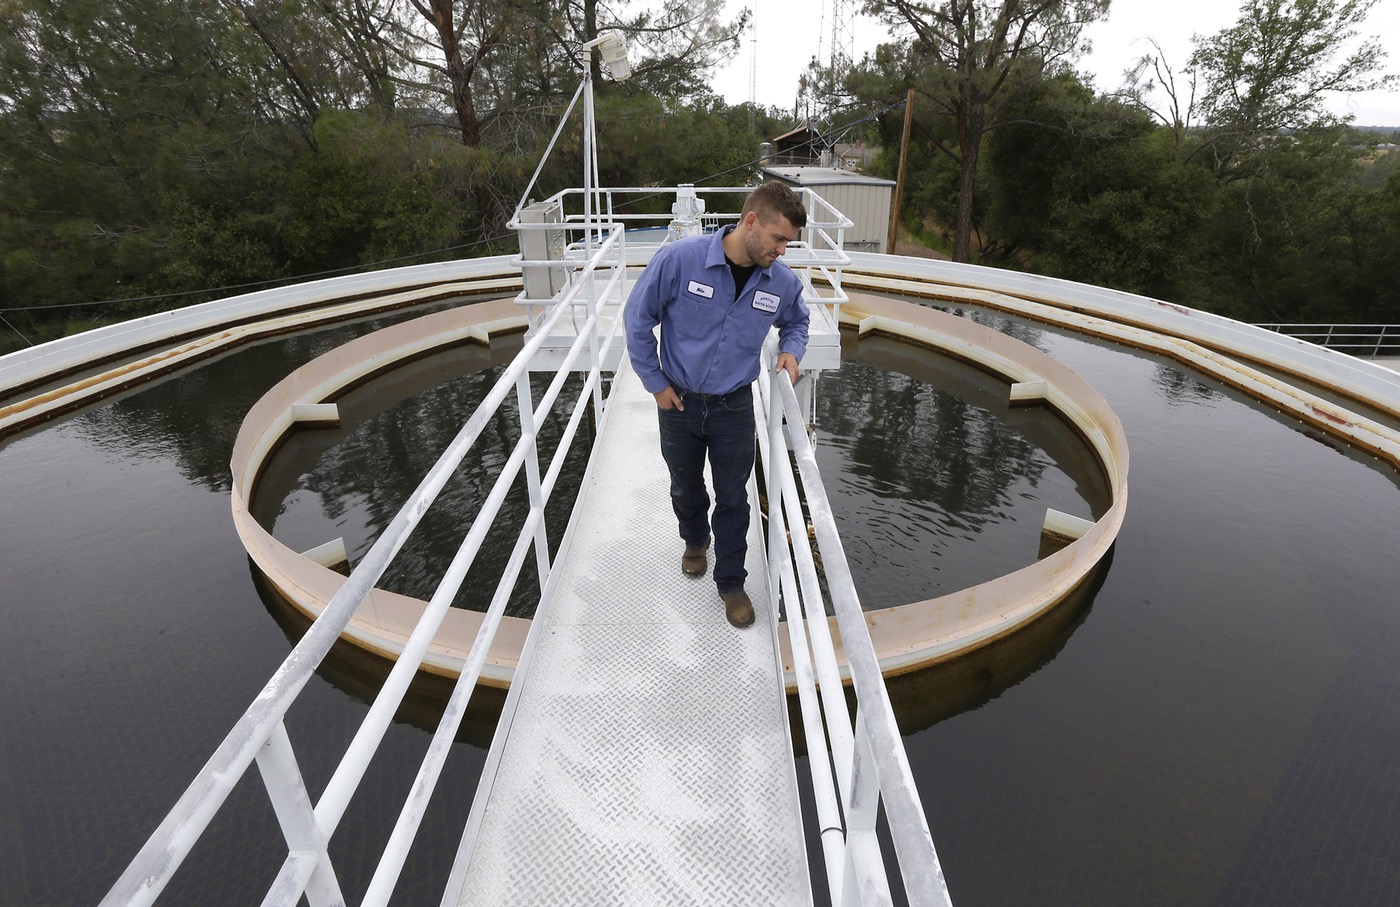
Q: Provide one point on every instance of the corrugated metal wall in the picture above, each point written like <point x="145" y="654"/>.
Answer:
<point x="865" y="200"/>
<point x="868" y="205"/>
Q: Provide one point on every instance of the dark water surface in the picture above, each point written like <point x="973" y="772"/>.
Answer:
<point x="1218" y="724"/>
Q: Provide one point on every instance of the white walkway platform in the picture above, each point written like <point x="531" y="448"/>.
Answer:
<point x="644" y="758"/>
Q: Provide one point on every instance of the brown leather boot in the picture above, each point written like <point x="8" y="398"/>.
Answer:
<point x="737" y="607"/>
<point x="693" y="561"/>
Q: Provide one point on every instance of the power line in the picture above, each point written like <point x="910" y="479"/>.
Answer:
<point x="12" y="327"/>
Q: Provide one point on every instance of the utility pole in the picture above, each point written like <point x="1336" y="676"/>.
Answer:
<point x="903" y="162"/>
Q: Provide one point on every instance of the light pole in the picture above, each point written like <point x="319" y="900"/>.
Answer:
<point x="612" y="51"/>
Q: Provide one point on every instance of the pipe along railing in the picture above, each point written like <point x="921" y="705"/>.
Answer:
<point x="868" y="756"/>
<point x="260" y="734"/>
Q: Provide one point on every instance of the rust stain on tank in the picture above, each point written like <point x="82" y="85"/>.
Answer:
<point x="1330" y="417"/>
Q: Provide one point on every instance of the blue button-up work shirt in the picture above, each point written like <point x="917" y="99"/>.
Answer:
<point x="710" y="335"/>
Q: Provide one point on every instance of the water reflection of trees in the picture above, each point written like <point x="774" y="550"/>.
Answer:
<point x="917" y="442"/>
<point x="192" y="416"/>
<point x="914" y="464"/>
<point x="1179" y="386"/>
<point x="931" y="486"/>
<point x="374" y="469"/>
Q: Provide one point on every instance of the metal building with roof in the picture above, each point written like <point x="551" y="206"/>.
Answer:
<point x="864" y="199"/>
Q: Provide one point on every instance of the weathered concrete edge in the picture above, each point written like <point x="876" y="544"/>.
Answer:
<point x="909" y="637"/>
<point x="385" y="620"/>
<point x="905" y="638"/>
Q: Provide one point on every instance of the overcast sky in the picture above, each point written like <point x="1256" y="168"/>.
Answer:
<point x="789" y="33"/>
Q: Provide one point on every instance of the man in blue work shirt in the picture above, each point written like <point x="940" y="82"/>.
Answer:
<point x="716" y="297"/>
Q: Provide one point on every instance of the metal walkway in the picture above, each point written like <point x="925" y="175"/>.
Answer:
<point x="645" y="757"/>
<point x="643" y="754"/>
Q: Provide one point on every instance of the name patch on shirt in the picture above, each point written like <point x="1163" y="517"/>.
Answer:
<point x="700" y="289"/>
<point x="766" y="302"/>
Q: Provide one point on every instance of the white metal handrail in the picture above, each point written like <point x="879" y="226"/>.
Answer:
<point x="819" y="255"/>
<point x="1381" y="339"/>
<point x="868" y="753"/>
<point x="260" y="734"/>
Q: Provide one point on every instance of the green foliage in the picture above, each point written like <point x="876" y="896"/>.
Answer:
<point x="1231" y="215"/>
<point x="920" y="231"/>
<point x="1272" y="69"/>
<point x="1301" y="235"/>
<point x="970" y="60"/>
<point x="344" y="202"/>
<point x="644" y="141"/>
<point x="110" y="111"/>
<point x="151" y="148"/>
<point x="210" y="247"/>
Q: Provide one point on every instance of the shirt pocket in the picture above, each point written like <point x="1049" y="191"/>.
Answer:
<point x="755" y="321"/>
<point x="698" y="317"/>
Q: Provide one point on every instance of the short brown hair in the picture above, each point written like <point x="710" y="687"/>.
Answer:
<point x="774" y="197"/>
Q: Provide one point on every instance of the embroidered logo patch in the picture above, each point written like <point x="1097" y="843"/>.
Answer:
<point x="766" y="302"/>
<point x="700" y="289"/>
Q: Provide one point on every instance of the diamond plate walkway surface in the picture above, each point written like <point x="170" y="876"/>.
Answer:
<point x="644" y="758"/>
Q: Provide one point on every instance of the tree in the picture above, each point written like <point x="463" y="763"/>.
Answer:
<point x="674" y="44"/>
<point x="1272" y="68"/>
<point x="1088" y="188"/>
<point x="108" y="108"/>
<point x="461" y="34"/>
<point x="1269" y="72"/>
<point x="327" y="53"/>
<point x="476" y="54"/>
<point x="649" y="141"/>
<point x="969" y="57"/>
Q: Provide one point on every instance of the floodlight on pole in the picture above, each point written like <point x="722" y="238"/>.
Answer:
<point x="612" y="51"/>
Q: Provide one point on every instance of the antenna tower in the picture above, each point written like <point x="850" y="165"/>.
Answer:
<point x="753" y="63"/>
<point x="842" y="41"/>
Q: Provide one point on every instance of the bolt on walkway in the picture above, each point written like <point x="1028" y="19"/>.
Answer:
<point x="644" y="758"/>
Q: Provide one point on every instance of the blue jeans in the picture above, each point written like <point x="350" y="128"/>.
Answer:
<point x="722" y="426"/>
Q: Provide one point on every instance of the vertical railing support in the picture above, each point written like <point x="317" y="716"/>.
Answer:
<point x="865" y="878"/>
<point x="595" y="362"/>
<point x="309" y="872"/>
<point x="529" y="435"/>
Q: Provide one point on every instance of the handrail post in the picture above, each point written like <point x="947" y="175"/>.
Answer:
<point x="595" y="361"/>
<point x="313" y="877"/>
<point x="865" y="879"/>
<point x="529" y="435"/>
